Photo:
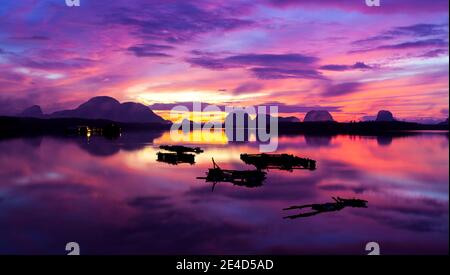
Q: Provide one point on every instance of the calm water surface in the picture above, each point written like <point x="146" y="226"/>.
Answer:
<point x="113" y="197"/>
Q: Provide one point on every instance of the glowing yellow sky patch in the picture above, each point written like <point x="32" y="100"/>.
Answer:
<point x="194" y="137"/>
<point x="200" y="117"/>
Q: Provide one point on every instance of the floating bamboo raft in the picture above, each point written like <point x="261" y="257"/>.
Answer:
<point x="181" y="149"/>
<point x="175" y="158"/>
<point x="278" y="161"/>
<point x="249" y="178"/>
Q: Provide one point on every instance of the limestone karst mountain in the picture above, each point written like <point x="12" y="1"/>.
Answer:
<point x="33" y="111"/>
<point x="318" y="116"/>
<point x="104" y="107"/>
<point x="385" y="116"/>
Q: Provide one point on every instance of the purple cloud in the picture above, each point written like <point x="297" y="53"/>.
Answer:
<point x="149" y="50"/>
<point x="32" y="37"/>
<point x="67" y="64"/>
<point x="264" y="66"/>
<point x="388" y="6"/>
<point x="170" y="106"/>
<point x="285" y="108"/>
<point x="357" y="65"/>
<point x="174" y="22"/>
<point x="435" y="53"/>
<point x="271" y="59"/>
<point x="282" y="107"/>
<point x="209" y="63"/>
<point x="416" y="44"/>
<point x="420" y="30"/>
<point x="248" y="87"/>
<point x="427" y="43"/>
<point x="246" y="60"/>
<point x="342" y="89"/>
<point x="278" y="73"/>
<point x="376" y="38"/>
<point x="413" y="31"/>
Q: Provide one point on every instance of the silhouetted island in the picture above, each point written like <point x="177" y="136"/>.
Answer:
<point x="319" y="122"/>
<point x="102" y="107"/>
<point x="101" y="111"/>
<point x="100" y="115"/>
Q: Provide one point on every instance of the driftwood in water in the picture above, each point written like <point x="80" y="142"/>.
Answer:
<point x="338" y="205"/>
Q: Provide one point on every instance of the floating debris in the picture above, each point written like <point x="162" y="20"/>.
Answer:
<point x="176" y="158"/>
<point x="338" y="205"/>
<point x="278" y="161"/>
<point x="248" y="178"/>
<point x="180" y="154"/>
<point x="181" y="149"/>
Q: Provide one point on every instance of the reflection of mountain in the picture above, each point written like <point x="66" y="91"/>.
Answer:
<point x="318" y="141"/>
<point x="384" y="140"/>
<point x="357" y="128"/>
<point x="100" y="146"/>
<point x="34" y="142"/>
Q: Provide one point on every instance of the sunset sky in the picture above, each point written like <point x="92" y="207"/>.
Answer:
<point x="340" y="56"/>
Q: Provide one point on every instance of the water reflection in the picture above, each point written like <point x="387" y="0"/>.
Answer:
<point x="101" y="146"/>
<point x="55" y="190"/>
<point x="318" y="141"/>
<point x="384" y="140"/>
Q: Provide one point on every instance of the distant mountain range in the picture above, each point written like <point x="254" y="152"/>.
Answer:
<point x="102" y="107"/>
<point x="108" y="108"/>
<point x="101" y="111"/>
